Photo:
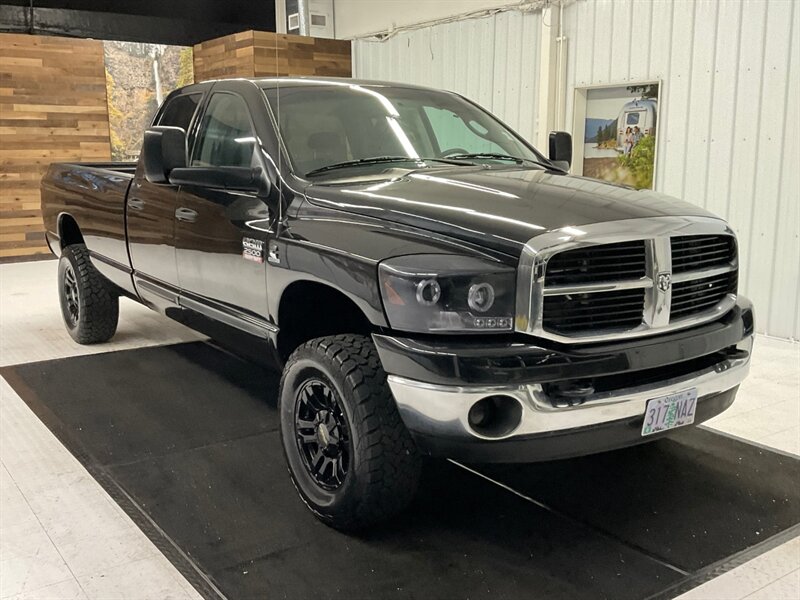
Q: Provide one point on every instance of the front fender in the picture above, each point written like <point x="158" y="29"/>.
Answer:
<point x="343" y="250"/>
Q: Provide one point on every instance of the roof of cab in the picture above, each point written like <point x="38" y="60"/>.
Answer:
<point x="308" y="81"/>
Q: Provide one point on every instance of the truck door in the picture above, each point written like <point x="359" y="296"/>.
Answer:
<point x="221" y="236"/>
<point x="151" y="218"/>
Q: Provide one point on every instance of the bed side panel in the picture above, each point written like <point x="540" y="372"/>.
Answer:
<point x="94" y="196"/>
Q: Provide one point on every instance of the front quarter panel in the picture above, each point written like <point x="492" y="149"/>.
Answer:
<point x="343" y="250"/>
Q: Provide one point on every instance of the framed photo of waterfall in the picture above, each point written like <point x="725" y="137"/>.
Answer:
<point x="138" y="78"/>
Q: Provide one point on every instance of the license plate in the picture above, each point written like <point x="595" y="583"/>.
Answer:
<point x="669" y="412"/>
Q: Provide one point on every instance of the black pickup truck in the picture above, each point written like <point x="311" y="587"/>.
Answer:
<point x="429" y="283"/>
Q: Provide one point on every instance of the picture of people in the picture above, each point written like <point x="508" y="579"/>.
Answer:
<point x="620" y="134"/>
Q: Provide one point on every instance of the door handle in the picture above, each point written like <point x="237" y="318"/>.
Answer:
<point x="187" y="215"/>
<point x="135" y="204"/>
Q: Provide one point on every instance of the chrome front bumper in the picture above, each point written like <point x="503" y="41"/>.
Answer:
<point x="437" y="410"/>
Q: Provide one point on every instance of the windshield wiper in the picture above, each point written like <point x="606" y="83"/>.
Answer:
<point x="374" y="160"/>
<point x="497" y="156"/>
<point x="490" y="155"/>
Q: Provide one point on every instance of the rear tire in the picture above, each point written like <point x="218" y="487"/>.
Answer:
<point x="89" y="306"/>
<point x="337" y="414"/>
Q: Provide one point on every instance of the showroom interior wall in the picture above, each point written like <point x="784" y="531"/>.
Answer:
<point x="177" y="22"/>
<point x="493" y="61"/>
<point x="356" y="18"/>
<point x="267" y="54"/>
<point x="52" y="108"/>
<point x="728" y="132"/>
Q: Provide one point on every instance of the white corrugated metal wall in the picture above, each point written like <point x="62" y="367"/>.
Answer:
<point x="730" y="109"/>
<point x="493" y="61"/>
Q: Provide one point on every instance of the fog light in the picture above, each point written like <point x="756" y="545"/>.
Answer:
<point x="495" y="416"/>
<point x="480" y="414"/>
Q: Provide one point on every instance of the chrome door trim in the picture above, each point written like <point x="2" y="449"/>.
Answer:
<point x="110" y="262"/>
<point x="229" y="316"/>
<point x="156" y="287"/>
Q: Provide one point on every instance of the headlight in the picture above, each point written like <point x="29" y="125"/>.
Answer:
<point x="446" y="293"/>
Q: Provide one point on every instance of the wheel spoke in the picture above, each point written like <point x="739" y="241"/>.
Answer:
<point x="307" y="437"/>
<point x="71" y="295"/>
<point x="327" y="398"/>
<point x="313" y="397"/>
<point x="329" y="462"/>
<point x="317" y="461"/>
<point x="335" y="432"/>
<point x="321" y="432"/>
<point x="306" y="397"/>
<point x="340" y="471"/>
<point x="305" y="424"/>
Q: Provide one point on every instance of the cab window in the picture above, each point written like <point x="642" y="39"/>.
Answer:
<point x="179" y="111"/>
<point x="226" y="137"/>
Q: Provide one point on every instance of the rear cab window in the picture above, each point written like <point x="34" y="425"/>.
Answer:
<point x="178" y="111"/>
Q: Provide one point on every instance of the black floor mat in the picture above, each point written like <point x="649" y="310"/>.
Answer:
<point x="185" y="438"/>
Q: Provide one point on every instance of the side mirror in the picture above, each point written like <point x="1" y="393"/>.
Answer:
<point x="240" y="179"/>
<point x="163" y="149"/>
<point x="561" y="149"/>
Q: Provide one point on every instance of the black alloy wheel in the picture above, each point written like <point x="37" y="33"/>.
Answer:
<point x="323" y="439"/>
<point x="349" y="454"/>
<point x="89" y="303"/>
<point x="71" y="301"/>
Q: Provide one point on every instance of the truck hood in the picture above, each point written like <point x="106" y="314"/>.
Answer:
<point x="498" y="208"/>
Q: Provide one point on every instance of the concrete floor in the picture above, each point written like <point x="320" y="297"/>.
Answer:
<point x="62" y="536"/>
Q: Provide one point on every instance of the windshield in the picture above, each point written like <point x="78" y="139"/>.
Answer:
<point x="327" y="124"/>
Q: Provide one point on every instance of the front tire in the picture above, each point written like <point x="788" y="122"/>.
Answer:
<point x="349" y="454"/>
<point x="88" y="305"/>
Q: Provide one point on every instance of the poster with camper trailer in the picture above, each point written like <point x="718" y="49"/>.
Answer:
<point x="620" y="135"/>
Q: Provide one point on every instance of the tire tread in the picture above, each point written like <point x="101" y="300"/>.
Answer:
<point x="99" y="307"/>
<point x="392" y="460"/>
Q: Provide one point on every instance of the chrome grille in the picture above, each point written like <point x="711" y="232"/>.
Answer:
<point x="609" y="262"/>
<point x="626" y="278"/>
<point x="573" y="313"/>
<point x="698" y="295"/>
<point x="693" y="252"/>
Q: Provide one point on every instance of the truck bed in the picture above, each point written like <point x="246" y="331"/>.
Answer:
<point x="117" y="167"/>
<point x="94" y="194"/>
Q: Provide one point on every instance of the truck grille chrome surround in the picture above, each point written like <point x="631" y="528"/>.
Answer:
<point x="624" y="279"/>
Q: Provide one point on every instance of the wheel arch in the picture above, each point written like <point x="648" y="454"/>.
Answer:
<point x="69" y="232"/>
<point x="311" y="309"/>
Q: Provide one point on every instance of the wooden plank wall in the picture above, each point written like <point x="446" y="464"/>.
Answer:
<point x="52" y="108"/>
<point x="225" y="57"/>
<point x="267" y="54"/>
<point x="282" y="54"/>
